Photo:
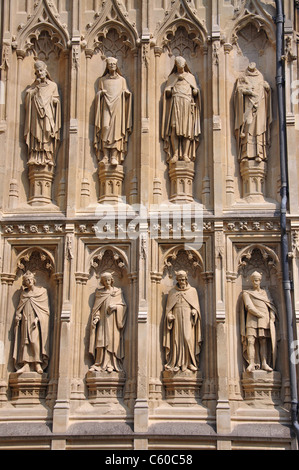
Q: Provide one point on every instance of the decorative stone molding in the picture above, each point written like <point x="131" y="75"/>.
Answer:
<point x="262" y="388"/>
<point x="267" y="257"/>
<point x="105" y="389"/>
<point x="111" y="183"/>
<point x="36" y="258"/>
<point x="28" y="388"/>
<point x="180" y="15"/>
<point x="251" y="12"/>
<point x="177" y="258"/>
<point x="109" y="256"/>
<point x="112" y="16"/>
<point x="44" y="18"/>
<point x="182" y="388"/>
<point x="181" y="177"/>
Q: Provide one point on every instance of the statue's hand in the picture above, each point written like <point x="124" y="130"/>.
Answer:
<point x="111" y="309"/>
<point x="18" y="318"/>
<point x="34" y="324"/>
<point x="195" y="92"/>
<point x="256" y="313"/>
<point x="266" y="86"/>
<point x="95" y="320"/>
<point x="170" y="317"/>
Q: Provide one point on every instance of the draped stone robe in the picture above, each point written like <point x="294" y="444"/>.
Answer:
<point x="113" y="120"/>
<point x="33" y="304"/>
<point x="42" y="122"/>
<point x="181" y="111"/>
<point x="182" y="336"/>
<point x="263" y="327"/>
<point x="107" y="334"/>
<point x="253" y="115"/>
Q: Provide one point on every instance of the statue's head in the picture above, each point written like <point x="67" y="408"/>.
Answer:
<point x="41" y="69"/>
<point x="256" y="278"/>
<point x="28" y="279"/>
<point x="252" y="66"/>
<point x="180" y="63"/>
<point x="182" y="278"/>
<point x="106" y="279"/>
<point x="111" y="64"/>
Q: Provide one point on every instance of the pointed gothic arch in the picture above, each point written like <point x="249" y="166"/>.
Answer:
<point x="112" y="16"/>
<point x="252" y="13"/>
<point x="45" y="18"/>
<point x="181" y="16"/>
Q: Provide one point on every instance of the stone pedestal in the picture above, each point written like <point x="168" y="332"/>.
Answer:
<point x="28" y="388"/>
<point x="181" y="176"/>
<point x="105" y="387"/>
<point x="111" y="181"/>
<point x="182" y="388"/>
<point x="262" y="387"/>
<point x="253" y="176"/>
<point x="40" y="180"/>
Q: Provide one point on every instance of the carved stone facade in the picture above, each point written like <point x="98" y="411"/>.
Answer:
<point x="140" y="176"/>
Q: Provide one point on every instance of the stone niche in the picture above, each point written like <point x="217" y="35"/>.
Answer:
<point x="182" y="376"/>
<point x="32" y="360"/>
<point x="259" y="326"/>
<point x="45" y="163"/>
<point x="110" y="313"/>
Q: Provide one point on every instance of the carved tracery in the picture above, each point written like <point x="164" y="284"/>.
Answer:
<point x="257" y="256"/>
<point x="178" y="258"/>
<point x="36" y="259"/>
<point x="44" y="18"/>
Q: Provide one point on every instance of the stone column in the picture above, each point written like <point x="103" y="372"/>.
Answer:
<point x="62" y="406"/>
<point x="223" y="415"/>
<point x="7" y="280"/>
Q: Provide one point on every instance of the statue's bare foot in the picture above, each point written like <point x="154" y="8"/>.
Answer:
<point x="25" y="368"/>
<point x="174" y="159"/>
<point x="114" y="161"/>
<point x="192" y="367"/>
<point x="266" y="367"/>
<point x="104" y="161"/>
<point x="95" y="367"/>
<point x="251" y="368"/>
<point x="186" y="159"/>
<point x="38" y="368"/>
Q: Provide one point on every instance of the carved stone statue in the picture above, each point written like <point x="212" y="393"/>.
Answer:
<point x="107" y="326"/>
<point x="43" y="118"/>
<point x="182" y="326"/>
<point x="181" y="114"/>
<point x="253" y="114"/>
<point x="31" y="331"/>
<point x="258" y="330"/>
<point x="113" y="118"/>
